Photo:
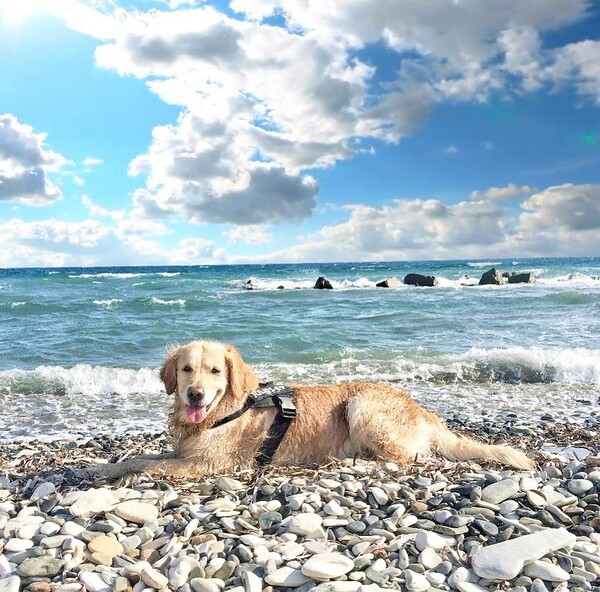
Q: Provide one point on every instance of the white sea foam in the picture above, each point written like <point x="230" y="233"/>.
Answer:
<point x="572" y="280"/>
<point x="177" y="302"/>
<point x="577" y="365"/>
<point x="120" y="276"/>
<point x="484" y="263"/>
<point x="52" y="402"/>
<point x="17" y="304"/>
<point x="59" y="402"/>
<point x="81" y="379"/>
<point x="476" y="366"/>
<point x="108" y="303"/>
<point x="169" y="274"/>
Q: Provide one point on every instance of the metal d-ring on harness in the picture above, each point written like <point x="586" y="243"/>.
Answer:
<point x="268" y="395"/>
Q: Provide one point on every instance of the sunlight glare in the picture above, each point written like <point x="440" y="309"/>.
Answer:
<point x="14" y="12"/>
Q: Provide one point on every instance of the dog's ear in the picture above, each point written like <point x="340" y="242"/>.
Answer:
<point x="168" y="372"/>
<point x="241" y="378"/>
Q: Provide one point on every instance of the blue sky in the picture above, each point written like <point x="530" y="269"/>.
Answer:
<point x="174" y="132"/>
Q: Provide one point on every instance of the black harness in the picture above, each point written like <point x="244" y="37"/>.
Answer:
<point x="268" y="395"/>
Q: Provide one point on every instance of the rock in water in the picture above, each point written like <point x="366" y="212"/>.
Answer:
<point x="323" y="284"/>
<point x="416" y="279"/>
<point x="522" y="278"/>
<point x="390" y="282"/>
<point x="491" y="277"/>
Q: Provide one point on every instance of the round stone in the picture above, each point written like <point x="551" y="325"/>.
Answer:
<point x="499" y="491"/>
<point x="153" y="578"/>
<point x="549" y="572"/>
<point x="179" y="575"/>
<point x="42" y="491"/>
<point x="92" y="502"/>
<point x="137" y="512"/>
<point x="327" y="566"/>
<point x="204" y="585"/>
<point x="432" y="540"/>
<point x="40" y="567"/>
<point x="459" y="575"/>
<point x="579" y="486"/>
<point x="106" y="545"/>
<point x="536" y="499"/>
<point x="93" y="582"/>
<point x="285" y="577"/>
<point x="333" y="508"/>
<point x="10" y="584"/>
<point x="305" y="523"/>
<point x="17" y="545"/>
<point x="229" y="485"/>
<point x="416" y="582"/>
<point x="381" y="497"/>
<point x="429" y="559"/>
<point x="356" y="527"/>
<point x="470" y="587"/>
<point x="508" y="507"/>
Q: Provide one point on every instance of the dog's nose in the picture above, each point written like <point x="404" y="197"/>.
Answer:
<point x="195" y="395"/>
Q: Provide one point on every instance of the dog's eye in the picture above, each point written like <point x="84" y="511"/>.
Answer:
<point x="216" y="371"/>
<point x="187" y="368"/>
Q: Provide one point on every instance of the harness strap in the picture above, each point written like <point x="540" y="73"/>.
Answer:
<point x="268" y="395"/>
<point x="234" y="415"/>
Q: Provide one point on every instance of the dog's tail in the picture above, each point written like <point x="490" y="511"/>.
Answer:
<point x="455" y="447"/>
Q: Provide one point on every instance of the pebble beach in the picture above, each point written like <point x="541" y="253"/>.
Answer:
<point x="359" y="526"/>
<point x="514" y="364"/>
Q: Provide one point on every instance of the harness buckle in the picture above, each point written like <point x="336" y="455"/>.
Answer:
<point x="287" y="407"/>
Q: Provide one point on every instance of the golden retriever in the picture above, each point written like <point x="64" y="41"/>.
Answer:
<point x="210" y="381"/>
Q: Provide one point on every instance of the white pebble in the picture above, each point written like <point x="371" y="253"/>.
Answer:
<point x="504" y="561"/>
<point x="286" y="577"/>
<point x="333" y="508"/>
<point x="432" y="540"/>
<point x="10" y="584"/>
<point x="429" y="559"/>
<point x="327" y="566"/>
<point x="416" y="582"/>
<point x="305" y="523"/>
<point x="93" y="582"/>
<point x="547" y="571"/>
<point x="17" y="545"/>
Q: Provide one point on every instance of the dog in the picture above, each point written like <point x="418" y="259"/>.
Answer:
<point x="210" y="381"/>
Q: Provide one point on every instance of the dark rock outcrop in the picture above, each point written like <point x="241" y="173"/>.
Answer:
<point x="491" y="277"/>
<point x="390" y="282"/>
<point x="250" y="285"/>
<point x="522" y="278"/>
<point x="323" y="284"/>
<point x="416" y="279"/>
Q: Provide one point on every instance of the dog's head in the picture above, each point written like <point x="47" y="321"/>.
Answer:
<point x="201" y="374"/>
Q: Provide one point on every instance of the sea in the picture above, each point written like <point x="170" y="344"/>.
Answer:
<point x="81" y="348"/>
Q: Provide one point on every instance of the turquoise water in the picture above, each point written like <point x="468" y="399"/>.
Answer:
<point x="80" y="347"/>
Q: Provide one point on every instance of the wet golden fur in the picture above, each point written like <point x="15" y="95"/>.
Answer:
<point x="333" y="421"/>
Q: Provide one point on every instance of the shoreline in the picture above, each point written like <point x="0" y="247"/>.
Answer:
<point x="344" y="527"/>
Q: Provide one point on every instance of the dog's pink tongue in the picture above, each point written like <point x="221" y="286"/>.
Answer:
<point x="195" y="414"/>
